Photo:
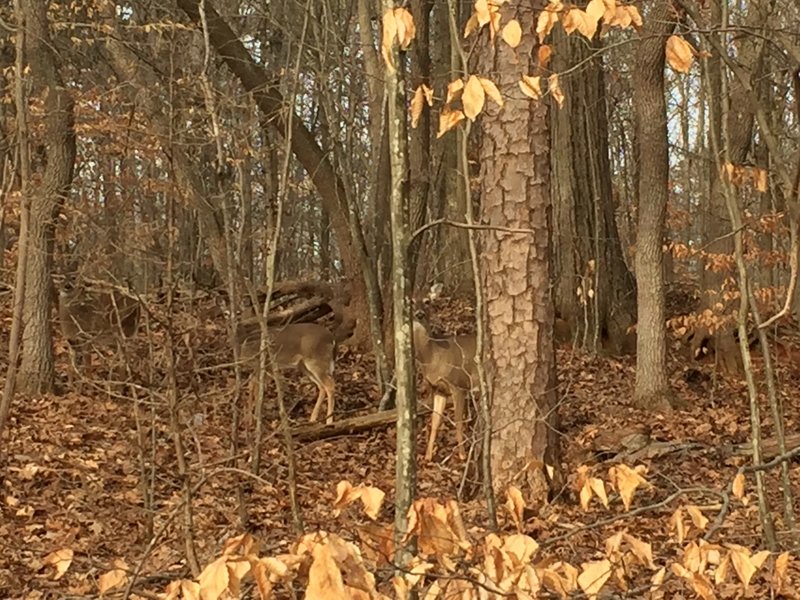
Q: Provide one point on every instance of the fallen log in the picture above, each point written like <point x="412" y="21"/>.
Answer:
<point x="351" y="426"/>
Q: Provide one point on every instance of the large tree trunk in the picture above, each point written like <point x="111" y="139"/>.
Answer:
<point x="515" y="192"/>
<point x="58" y="140"/>
<point x="650" y="109"/>
<point x="585" y="224"/>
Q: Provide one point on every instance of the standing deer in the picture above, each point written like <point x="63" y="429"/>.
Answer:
<point x="91" y="318"/>
<point x="308" y="347"/>
<point x="448" y="365"/>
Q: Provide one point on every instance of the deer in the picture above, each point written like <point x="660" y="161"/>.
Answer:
<point x="307" y="347"/>
<point x="91" y="318"/>
<point x="448" y="365"/>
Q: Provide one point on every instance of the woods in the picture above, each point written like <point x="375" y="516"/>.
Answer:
<point x="537" y="260"/>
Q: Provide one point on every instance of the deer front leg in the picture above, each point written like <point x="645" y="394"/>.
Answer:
<point x="439" y="403"/>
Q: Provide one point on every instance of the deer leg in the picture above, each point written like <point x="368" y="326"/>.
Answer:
<point x="318" y="405"/>
<point x="330" y="388"/>
<point x="459" y="405"/>
<point x="439" y="403"/>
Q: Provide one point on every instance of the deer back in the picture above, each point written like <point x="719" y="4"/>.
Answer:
<point x="290" y="345"/>
<point x="97" y="315"/>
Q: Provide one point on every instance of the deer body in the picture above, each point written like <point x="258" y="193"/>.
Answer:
<point x="448" y="365"/>
<point x="308" y="347"/>
<point x="91" y="318"/>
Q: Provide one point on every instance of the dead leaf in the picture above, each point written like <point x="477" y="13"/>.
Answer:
<point x="473" y="98"/>
<point x="512" y="33"/>
<point x="61" y="560"/>
<point x="680" y="54"/>
<point x="531" y="86"/>
<point x="593" y="576"/>
<point x="113" y="578"/>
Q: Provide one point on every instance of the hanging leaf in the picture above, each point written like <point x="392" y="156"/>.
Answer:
<point x="680" y="54"/>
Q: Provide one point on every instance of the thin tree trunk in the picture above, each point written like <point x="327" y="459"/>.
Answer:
<point x="650" y="109"/>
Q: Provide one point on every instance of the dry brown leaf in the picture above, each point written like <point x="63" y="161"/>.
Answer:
<point x="680" y="54"/>
<point x="324" y="577"/>
<point x="555" y="89"/>
<point x="595" y="10"/>
<point x="113" y="578"/>
<point x="531" y="86"/>
<point x="599" y="489"/>
<point x="548" y="18"/>
<point x="454" y="89"/>
<point x="263" y="583"/>
<point x="543" y="54"/>
<point x="190" y="590"/>
<point x="473" y="98"/>
<point x="416" y="106"/>
<point x="594" y="576"/>
<point x="515" y="505"/>
<point x="512" y="33"/>
<point x="698" y="518"/>
<point x="214" y="579"/>
<point x="738" y="486"/>
<point x="626" y="481"/>
<point x="780" y="573"/>
<point x="491" y="90"/>
<point x="61" y="560"/>
<point x="406" y="30"/>
<point x="641" y="550"/>
<point x="472" y="25"/>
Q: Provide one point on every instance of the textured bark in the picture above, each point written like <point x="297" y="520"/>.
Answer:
<point x="650" y="109"/>
<point x="585" y="224"/>
<point x="515" y="192"/>
<point x="58" y="139"/>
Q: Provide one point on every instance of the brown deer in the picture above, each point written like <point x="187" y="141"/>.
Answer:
<point x="92" y="318"/>
<point x="308" y="347"/>
<point x="448" y="365"/>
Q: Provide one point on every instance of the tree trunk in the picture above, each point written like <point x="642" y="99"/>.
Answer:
<point x="58" y="138"/>
<point x="515" y="192"/>
<point x="650" y="110"/>
<point x="585" y="223"/>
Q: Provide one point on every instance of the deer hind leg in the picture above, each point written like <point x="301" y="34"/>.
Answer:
<point x="321" y="376"/>
<point x="439" y="403"/>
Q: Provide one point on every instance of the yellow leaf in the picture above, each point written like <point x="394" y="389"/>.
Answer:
<point x="406" y="30"/>
<point x="721" y="572"/>
<point x="599" y="489"/>
<point x="372" y="499"/>
<point x="679" y="54"/>
<point x="214" y="579"/>
<point x="113" y="578"/>
<point x="523" y="547"/>
<point x="738" y="486"/>
<point x="641" y="550"/>
<point x="743" y="566"/>
<point x="263" y="584"/>
<point x="472" y="25"/>
<point x="586" y="495"/>
<point x="657" y="579"/>
<point x="555" y="90"/>
<point x="512" y="33"/>
<point x="595" y="10"/>
<point x="454" y="89"/>
<point x="61" y="560"/>
<point x="417" y="104"/>
<point x="491" y="90"/>
<point x="593" y="576"/>
<point x="779" y="573"/>
<point x="190" y="590"/>
<point x="482" y="12"/>
<point x="577" y="20"/>
<point x="531" y="86"/>
<point x="515" y="505"/>
<point x="636" y="18"/>
<point x="626" y="480"/>
<point x="447" y="120"/>
<point x="699" y="519"/>
<point x="473" y="98"/>
<point x="324" y="577"/>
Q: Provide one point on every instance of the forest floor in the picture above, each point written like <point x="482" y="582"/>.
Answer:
<point x="72" y="476"/>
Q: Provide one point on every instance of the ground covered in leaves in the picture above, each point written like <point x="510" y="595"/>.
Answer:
<point x="75" y="520"/>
